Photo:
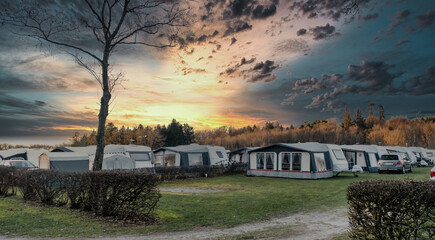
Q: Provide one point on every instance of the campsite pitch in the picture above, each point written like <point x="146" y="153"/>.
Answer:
<point x="214" y="203"/>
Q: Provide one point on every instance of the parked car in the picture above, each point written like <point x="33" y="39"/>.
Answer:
<point x="423" y="164"/>
<point x="397" y="162"/>
<point x="432" y="174"/>
<point x="21" y="164"/>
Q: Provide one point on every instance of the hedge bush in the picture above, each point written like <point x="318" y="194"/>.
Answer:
<point x="398" y="209"/>
<point x="126" y="195"/>
<point x="7" y="181"/>
<point x="186" y="172"/>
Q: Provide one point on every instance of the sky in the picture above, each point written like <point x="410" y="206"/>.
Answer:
<point x="238" y="63"/>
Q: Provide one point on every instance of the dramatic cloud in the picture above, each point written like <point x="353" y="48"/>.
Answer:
<point x="309" y="85"/>
<point x="368" y="17"/>
<point x="237" y="26"/>
<point x="402" y="14"/>
<point x="247" y="8"/>
<point x="264" y="11"/>
<point x="401" y="42"/>
<point x="323" y="32"/>
<point x="301" y="32"/>
<point x="327" y="8"/>
<point x="233" y="69"/>
<point x="422" y="84"/>
<point x="368" y="78"/>
<point x="292" y="46"/>
<point x="426" y="19"/>
<point x="263" y="72"/>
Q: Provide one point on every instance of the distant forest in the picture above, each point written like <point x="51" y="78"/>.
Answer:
<point x="373" y="129"/>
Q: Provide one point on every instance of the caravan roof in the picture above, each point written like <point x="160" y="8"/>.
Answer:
<point x="364" y="148"/>
<point x="187" y="148"/>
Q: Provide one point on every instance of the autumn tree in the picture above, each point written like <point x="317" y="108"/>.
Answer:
<point x="347" y="120"/>
<point x="91" y="31"/>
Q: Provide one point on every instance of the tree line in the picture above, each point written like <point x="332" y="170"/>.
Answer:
<point x="356" y="129"/>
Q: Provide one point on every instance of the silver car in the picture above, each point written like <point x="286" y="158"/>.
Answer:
<point x="396" y="162"/>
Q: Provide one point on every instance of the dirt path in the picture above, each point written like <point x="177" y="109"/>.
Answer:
<point x="302" y="226"/>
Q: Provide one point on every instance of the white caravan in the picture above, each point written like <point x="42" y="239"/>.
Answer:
<point x="190" y="155"/>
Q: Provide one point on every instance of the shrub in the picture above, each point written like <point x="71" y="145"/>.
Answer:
<point x="126" y="195"/>
<point x="392" y="209"/>
<point x="43" y="185"/>
<point x="186" y="172"/>
<point x="7" y="181"/>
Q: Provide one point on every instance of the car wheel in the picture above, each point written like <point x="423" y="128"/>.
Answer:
<point x="403" y="170"/>
<point x="380" y="171"/>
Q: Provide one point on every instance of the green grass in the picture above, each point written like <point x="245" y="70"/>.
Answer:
<point x="248" y="199"/>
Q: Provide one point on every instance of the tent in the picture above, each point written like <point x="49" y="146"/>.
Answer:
<point x="408" y="153"/>
<point x="64" y="161"/>
<point x="241" y="155"/>
<point x="118" y="162"/>
<point x="365" y="156"/>
<point x="190" y="155"/>
<point x="303" y="160"/>
<point x="143" y="155"/>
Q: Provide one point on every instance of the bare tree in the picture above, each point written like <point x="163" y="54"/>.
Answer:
<point x="91" y="30"/>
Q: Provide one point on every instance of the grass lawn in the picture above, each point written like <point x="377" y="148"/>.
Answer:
<point x="248" y="199"/>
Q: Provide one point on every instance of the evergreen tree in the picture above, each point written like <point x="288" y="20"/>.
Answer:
<point x="359" y="119"/>
<point x="381" y="113"/>
<point x="347" y="120"/>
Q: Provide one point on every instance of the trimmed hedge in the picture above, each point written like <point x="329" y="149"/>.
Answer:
<point x="187" y="172"/>
<point x="398" y="209"/>
<point x="126" y="195"/>
<point x="7" y="181"/>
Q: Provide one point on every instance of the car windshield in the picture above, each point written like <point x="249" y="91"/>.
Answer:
<point x="389" y="157"/>
<point x="22" y="164"/>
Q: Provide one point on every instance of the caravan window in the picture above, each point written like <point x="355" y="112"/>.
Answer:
<point x="169" y="160"/>
<point x="260" y="161"/>
<point x="269" y="160"/>
<point x="195" y="159"/>
<point x="296" y="161"/>
<point x="220" y="155"/>
<point x="140" y="156"/>
<point x="285" y="161"/>
<point x="338" y="154"/>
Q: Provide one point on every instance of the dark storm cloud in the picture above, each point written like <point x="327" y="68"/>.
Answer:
<point x="401" y="42"/>
<point x="312" y="84"/>
<point x="301" y="32"/>
<point x="368" y="78"/>
<point x="323" y="32"/>
<point x="236" y="27"/>
<point x="11" y="81"/>
<point x="264" y="11"/>
<point x="233" y="40"/>
<point x="327" y="8"/>
<point x="368" y="17"/>
<point x="421" y="84"/>
<point x="248" y="9"/>
<point x="233" y="69"/>
<point x="426" y="19"/>
<point x="402" y="15"/>
<point x="262" y="72"/>
<point x="37" y="117"/>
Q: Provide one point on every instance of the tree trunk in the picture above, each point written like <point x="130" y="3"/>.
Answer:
<point x="104" y="112"/>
